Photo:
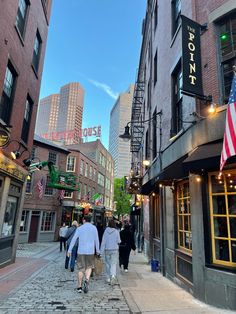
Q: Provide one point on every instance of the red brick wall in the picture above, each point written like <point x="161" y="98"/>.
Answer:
<point x="20" y="54"/>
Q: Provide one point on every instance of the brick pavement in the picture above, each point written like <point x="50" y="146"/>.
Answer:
<point x="53" y="289"/>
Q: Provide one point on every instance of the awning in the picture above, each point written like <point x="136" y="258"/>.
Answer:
<point x="204" y="157"/>
<point x="174" y="171"/>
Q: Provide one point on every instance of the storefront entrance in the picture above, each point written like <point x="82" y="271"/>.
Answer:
<point x="34" y="225"/>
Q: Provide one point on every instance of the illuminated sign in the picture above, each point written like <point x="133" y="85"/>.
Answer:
<point x="72" y="134"/>
<point x="4" y="138"/>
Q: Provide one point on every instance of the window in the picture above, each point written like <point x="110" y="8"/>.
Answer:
<point x="48" y="221"/>
<point x="82" y="167"/>
<point x="154" y="134"/>
<point x="155" y="69"/>
<point x="37" y="50"/>
<point x="177" y="123"/>
<point x="227" y="34"/>
<point x="7" y="94"/>
<point x="94" y="174"/>
<point x="24" y="221"/>
<point x="29" y="184"/>
<point x="68" y="194"/>
<point x="91" y="172"/>
<point x="48" y="190"/>
<point x="21" y="16"/>
<point x="147" y="150"/>
<point x="86" y="170"/>
<point x="156" y="216"/>
<point x="70" y="166"/>
<point x="101" y="179"/>
<point x="155" y="15"/>
<point x="184" y="217"/>
<point x="9" y="216"/>
<point x="27" y="119"/>
<point x="222" y="192"/>
<point x="176" y="15"/>
<point x="52" y="157"/>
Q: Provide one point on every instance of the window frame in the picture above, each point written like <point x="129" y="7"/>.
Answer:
<point x="227" y="215"/>
<point x="26" y="122"/>
<point x="36" y="56"/>
<point x="69" y="164"/>
<point x="6" y="99"/>
<point x="228" y="58"/>
<point x="21" y="25"/>
<point x="177" y="99"/>
<point x="52" y="217"/>
<point x="181" y="226"/>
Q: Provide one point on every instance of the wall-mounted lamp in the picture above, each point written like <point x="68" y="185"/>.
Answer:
<point x="146" y="162"/>
<point x="126" y="136"/>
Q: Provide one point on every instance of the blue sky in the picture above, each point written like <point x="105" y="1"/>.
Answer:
<point x="96" y="43"/>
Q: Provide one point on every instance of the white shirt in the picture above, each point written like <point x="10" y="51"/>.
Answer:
<point x="88" y="239"/>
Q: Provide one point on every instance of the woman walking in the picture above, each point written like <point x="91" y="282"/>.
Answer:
<point x="127" y="243"/>
<point x="109" y="248"/>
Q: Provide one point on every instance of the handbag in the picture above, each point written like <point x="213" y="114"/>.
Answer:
<point x="98" y="265"/>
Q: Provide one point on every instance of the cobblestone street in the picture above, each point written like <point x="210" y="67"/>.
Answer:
<point x="52" y="288"/>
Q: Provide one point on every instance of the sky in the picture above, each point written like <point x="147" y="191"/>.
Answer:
<point x="96" y="43"/>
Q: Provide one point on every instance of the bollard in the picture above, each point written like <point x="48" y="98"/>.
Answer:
<point x="154" y="265"/>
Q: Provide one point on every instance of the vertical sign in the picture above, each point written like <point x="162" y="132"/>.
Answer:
<point x="191" y="57"/>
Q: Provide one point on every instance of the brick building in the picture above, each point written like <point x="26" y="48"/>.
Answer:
<point x="188" y="210"/>
<point x="23" y="33"/>
<point x="96" y="152"/>
<point x="86" y="170"/>
<point x="41" y="216"/>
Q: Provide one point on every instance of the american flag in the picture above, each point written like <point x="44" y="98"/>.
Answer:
<point x="61" y="195"/>
<point x="229" y="144"/>
<point x="40" y="186"/>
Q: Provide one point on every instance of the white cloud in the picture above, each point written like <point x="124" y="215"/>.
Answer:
<point x="107" y="89"/>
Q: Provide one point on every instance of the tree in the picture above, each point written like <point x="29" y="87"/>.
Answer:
<point x="121" y="197"/>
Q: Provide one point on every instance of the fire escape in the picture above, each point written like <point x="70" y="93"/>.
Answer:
<point x="137" y="127"/>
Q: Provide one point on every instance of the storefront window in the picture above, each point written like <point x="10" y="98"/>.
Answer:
<point x="24" y="221"/>
<point x="9" y="217"/>
<point x="222" y="191"/>
<point x="48" y="221"/>
<point x="184" y="217"/>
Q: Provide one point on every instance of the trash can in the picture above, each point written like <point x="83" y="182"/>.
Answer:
<point x="154" y="265"/>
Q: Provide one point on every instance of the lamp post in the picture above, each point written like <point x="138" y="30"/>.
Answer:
<point x="134" y="131"/>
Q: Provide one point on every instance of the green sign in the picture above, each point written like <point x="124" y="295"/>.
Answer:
<point x="4" y="138"/>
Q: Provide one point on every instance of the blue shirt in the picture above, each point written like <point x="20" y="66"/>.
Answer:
<point x="88" y="239"/>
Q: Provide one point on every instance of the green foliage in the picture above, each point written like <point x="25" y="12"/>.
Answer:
<point x="121" y="197"/>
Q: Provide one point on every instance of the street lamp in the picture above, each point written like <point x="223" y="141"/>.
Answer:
<point x="126" y="136"/>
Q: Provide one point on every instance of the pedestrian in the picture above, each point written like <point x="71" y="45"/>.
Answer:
<point x="69" y="235"/>
<point x="62" y="234"/>
<point x="100" y="230"/>
<point x="110" y="248"/>
<point x="127" y="243"/>
<point x="88" y="242"/>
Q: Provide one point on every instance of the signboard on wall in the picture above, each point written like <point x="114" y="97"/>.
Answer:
<point x="191" y="57"/>
<point x="4" y="137"/>
<point x="72" y="134"/>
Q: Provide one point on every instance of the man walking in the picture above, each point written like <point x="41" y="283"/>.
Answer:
<point x="62" y="235"/>
<point x="88" y="241"/>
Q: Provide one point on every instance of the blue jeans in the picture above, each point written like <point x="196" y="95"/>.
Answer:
<point x="111" y="257"/>
<point x="72" y="258"/>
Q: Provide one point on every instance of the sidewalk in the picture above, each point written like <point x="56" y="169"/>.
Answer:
<point x="148" y="292"/>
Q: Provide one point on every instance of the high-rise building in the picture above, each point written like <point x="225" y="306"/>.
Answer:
<point x="60" y="115"/>
<point x="48" y="114"/>
<point x="119" y="149"/>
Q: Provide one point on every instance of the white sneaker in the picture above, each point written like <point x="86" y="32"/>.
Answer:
<point x="113" y="280"/>
<point x="126" y="270"/>
<point x="108" y="280"/>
